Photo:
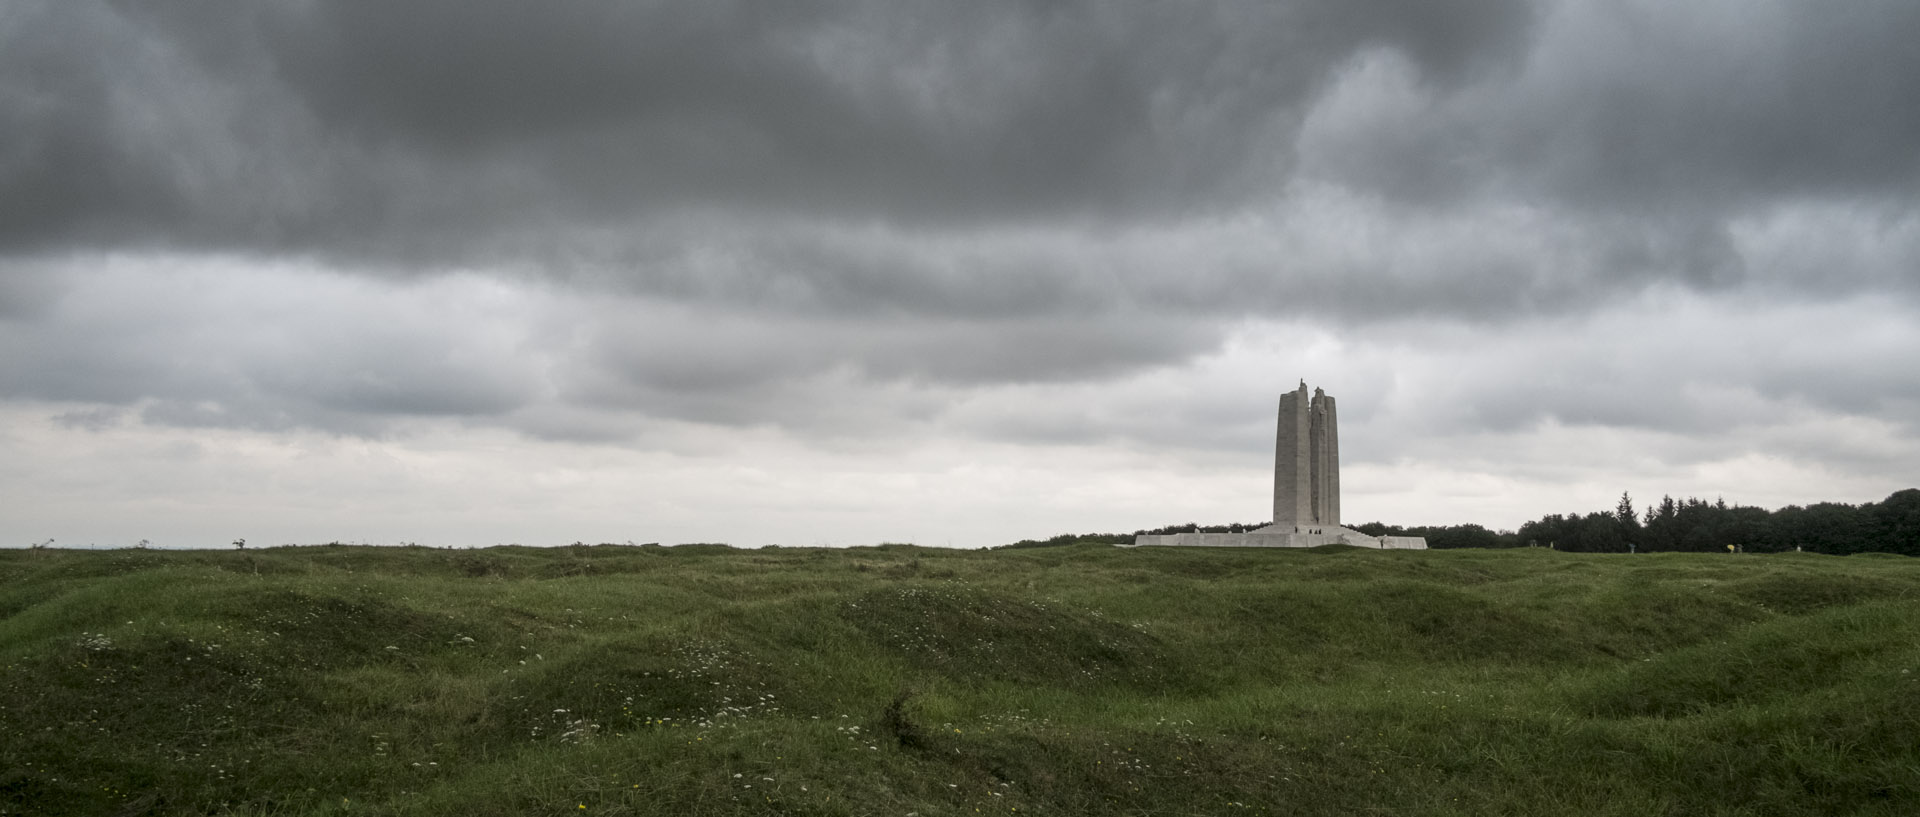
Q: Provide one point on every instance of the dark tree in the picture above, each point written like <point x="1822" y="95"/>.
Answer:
<point x="1896" y="522"/>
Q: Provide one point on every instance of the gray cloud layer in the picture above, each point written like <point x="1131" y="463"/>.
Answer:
<point x="617" y="139"/>
<point x="703" y="211"/>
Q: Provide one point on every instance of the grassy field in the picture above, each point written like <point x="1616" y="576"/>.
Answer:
<point x="897" y="680"/>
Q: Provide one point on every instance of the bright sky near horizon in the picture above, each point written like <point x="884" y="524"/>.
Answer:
<point x="464" y="272"/>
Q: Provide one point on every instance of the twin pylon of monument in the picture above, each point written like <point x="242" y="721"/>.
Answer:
<point x="1306" y="461"/>
<point x="1306" y="486"/>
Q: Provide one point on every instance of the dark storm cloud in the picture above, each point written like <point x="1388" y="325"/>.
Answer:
<point x="66" y="167"/>
<point x="434" y="134"/>
<point x="435" y="123"/>
<point x="1657" y="129"/>
<point x="1800" y="100"/>
<point x="998" y="110"/>
<point x="1631" y="105"/>
<point x="770" y="196"/>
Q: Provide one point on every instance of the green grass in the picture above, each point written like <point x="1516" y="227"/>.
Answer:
<point x="895" y="680"/>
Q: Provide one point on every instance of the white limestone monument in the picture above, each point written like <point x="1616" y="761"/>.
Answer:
<point x="1306" y="487"/>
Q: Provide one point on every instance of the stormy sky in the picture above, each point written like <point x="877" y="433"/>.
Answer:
<point x="852" y="271"/>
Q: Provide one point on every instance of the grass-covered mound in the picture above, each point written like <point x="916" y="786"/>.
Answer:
<point x="895" y="680"/>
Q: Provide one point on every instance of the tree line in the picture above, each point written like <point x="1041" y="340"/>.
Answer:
<point x="1693" y="525"/>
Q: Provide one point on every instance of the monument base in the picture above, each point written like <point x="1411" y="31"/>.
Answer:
<point x="1285" y="536"/>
